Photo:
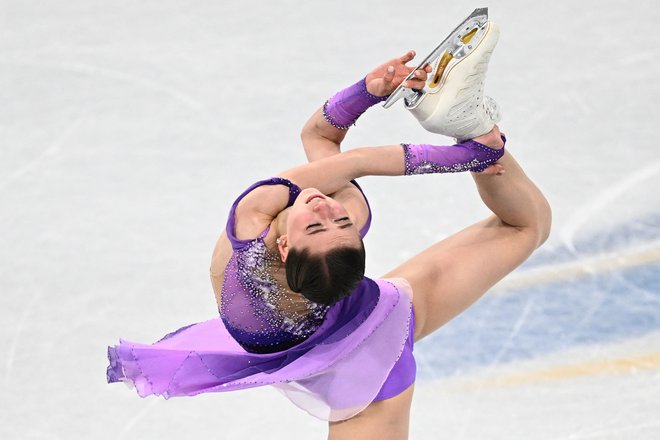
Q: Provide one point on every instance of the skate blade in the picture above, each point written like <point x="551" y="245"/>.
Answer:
<point x="449" y="59"/>
<point x="456" y="45"/>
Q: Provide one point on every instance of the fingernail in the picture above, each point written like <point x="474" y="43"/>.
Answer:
<point x="390" y="69"/>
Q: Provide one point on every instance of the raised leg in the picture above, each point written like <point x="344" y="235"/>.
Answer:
<point x="451" y="275"/>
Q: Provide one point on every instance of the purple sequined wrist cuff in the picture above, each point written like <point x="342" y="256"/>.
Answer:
<point x="345" y="107"/>
<point x="487" y="155"/>
<point x="466" y="156"/>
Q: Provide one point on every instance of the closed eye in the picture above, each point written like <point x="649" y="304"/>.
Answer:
<point x="312" y="226"/>
<point x="346" y="222"/>
<point x="319" y="227"/>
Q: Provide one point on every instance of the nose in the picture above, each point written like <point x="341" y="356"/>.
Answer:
<point x="321" y="207"/>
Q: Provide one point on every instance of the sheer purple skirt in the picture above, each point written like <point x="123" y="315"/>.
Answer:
<point x="333" y="375"/>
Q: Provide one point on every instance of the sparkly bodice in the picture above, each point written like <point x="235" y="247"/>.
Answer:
<point x="260" y="312"/>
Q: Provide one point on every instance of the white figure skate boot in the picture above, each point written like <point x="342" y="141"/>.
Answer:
<point x="452" y="102"/>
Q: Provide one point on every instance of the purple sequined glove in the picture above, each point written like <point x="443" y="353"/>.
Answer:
<point x="345" y="107"/>
<point x="466" y="156"/>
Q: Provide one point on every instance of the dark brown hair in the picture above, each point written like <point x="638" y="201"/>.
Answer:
<point x="325" y="278"/>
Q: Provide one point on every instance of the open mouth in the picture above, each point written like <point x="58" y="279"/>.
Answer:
<point x="315" y="196"/>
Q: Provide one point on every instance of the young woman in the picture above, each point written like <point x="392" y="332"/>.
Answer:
<point x="296" y="310"/>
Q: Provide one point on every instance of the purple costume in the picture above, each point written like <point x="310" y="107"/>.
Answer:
<point x="468" y="155"/>
<point x="345" y="107"/>
<point x="333" y="362"/>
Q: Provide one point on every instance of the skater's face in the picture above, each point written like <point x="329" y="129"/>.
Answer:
<point x="319" y="223"/>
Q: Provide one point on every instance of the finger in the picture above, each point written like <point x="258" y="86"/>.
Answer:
<point x="421" y="74"/>
<point x="407" y="57"/>
<point x="389" y="74"/>
<point x="495" y="169"/>
<point x="415" y="84"/>
<point x="417" y="80"/>
<point x="426" y="68"/>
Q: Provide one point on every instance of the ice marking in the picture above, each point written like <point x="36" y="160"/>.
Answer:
<point x="624" y="365"/>
<point x="605" y="198"/>
<point x="136" y="418"/>
<point x="51" y="150"/>
<point x="609" y="433"/>
<point x="503" y="349"/>
<point x="585" y="267"/>
<point x="11" y="353"/>
<point x="96" y="71"/>
<point x="118" y="75"/>
<point x="514" y="331"/>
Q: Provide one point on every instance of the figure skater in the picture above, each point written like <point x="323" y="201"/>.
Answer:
<point x="297" y="312"/>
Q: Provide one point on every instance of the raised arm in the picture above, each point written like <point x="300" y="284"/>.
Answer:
<point x="331" y="173"/>
<point x="325" y="130"/>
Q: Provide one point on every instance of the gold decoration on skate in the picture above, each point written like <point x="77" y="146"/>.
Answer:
<point x="446" y="59"/>
<point x="467" y="37"/>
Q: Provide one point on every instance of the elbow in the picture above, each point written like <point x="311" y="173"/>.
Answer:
<point x="306" y="133"/>
<point x="312" y="128"/>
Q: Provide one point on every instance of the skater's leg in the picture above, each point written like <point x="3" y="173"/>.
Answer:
<point x="383" y="420"/>
<point x="452" y="274"/>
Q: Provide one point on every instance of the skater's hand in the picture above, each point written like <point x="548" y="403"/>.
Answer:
<point x="493" y="139"/>
<point x="495" y="169"/>
<point x="385" y="78"/>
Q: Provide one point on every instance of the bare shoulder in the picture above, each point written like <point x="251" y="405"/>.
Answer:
<point x="256" y="211"/>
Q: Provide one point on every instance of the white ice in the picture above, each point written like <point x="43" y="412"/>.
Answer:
<point x="127" y="128"/>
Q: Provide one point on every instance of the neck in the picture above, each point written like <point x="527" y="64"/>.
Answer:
<point x="280" y="222"/>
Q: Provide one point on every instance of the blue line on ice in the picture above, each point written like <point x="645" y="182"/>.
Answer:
<point x="551" y="317"/>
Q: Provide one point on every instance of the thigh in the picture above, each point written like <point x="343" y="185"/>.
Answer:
<point x="383" y="420"/>
<point x="452" y="274"/>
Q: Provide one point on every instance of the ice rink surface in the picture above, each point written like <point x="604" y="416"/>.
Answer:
<point x="128" y="128"/>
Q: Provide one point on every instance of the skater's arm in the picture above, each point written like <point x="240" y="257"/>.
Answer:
<point x="328" y="175"/>
<point x="325" y="130"/>
<point x="333" y="172"/>
<point x="319" y="138"/>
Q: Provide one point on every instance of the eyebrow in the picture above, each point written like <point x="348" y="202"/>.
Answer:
<point x="347" y="225"/>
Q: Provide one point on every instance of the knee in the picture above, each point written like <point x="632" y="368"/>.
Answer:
<point x="544" y="223"/>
